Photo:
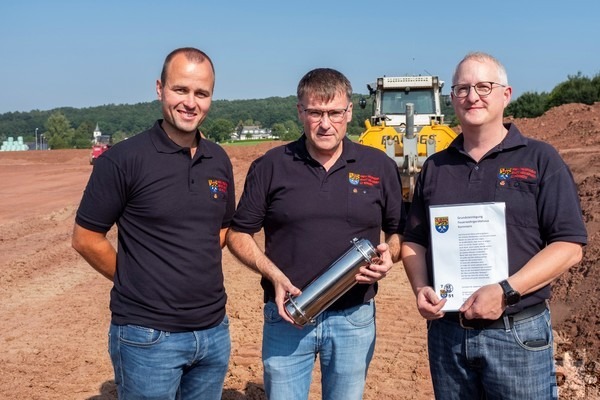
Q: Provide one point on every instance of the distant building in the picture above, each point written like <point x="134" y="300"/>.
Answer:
<point x="252" y="132"/>
<point x="97" y="134"/>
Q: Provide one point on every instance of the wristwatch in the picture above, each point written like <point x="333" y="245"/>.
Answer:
<point x="511" y="296"/>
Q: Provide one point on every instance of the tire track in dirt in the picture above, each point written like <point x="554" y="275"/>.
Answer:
<point x="54" y="330"/>
<point x="400" y="353"/>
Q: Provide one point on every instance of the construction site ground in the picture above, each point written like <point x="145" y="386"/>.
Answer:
<point x="55" y="307"/>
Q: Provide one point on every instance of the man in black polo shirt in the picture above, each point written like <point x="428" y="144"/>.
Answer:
<point x="170" y="192"/>
<point x="499" y="344"/>
<point x="312" y="197"/>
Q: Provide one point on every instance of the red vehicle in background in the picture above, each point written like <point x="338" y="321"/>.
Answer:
<point x="101" y="144"/>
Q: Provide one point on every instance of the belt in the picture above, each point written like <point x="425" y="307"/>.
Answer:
<point x="480" y="324"/>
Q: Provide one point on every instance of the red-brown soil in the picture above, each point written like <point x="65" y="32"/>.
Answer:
<point x="55" y="307"/>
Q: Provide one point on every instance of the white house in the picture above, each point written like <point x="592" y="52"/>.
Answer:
<point x="251" y="132"/>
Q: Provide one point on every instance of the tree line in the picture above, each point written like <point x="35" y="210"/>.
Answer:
<point x="68" y="127"/>
<point x="576" y="89"/>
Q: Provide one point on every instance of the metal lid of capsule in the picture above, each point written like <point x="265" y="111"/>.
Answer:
<point x="296" y="306"/>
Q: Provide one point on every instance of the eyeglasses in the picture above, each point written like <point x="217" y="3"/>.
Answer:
<point x="315" y="115"/>
<point x="482" y="89"/>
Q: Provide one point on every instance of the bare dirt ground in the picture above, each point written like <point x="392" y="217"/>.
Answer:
<point x="54" y="307"/>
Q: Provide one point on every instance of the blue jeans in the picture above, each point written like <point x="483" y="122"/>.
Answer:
<point x="344" y="341"/>
<point x="514" y="363"/>
<point x="153" y="364"/>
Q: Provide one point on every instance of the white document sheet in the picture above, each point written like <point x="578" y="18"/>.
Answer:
<point x="469" y="249"/>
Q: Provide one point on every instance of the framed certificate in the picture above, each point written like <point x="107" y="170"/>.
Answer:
<point x="469" y="249"/>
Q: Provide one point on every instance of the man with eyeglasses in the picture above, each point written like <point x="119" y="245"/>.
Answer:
<point x="312" y="197"/>
<point x="499" y="344"/>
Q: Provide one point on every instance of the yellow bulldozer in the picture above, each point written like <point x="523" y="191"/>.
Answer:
<point x="407" y="123"/>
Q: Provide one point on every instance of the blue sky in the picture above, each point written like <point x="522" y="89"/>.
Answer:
<point x="83" y="53"/>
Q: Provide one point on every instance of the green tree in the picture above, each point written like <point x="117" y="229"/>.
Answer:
<point x="576" y="89"/>
<point x="58" y="131"/>
<point x="292" y="131"/>
<point x="528" y="105"/>
<point x="82" y="136"/>
<point x="596" y="86"/>
<point x="360" y="114"/>
<point x="278" y="129"/>
<point x="119" y="136"/>
<point x="219" y="130"/>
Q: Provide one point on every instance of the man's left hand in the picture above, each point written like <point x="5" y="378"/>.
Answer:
<point x="379" y="267"/>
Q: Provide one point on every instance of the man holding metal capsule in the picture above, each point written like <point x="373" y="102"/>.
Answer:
<point x="313" y="197"/>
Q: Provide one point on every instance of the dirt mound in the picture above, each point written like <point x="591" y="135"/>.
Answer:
<point x="566" y="127"/>
<point x="574" y="129"/>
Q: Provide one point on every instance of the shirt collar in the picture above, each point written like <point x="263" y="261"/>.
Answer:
<point x="299" y="151"/>
<point x="164" y="144"/>
<point x="513" y="139"/>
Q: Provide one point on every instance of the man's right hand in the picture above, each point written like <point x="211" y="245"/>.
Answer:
<point x="283" y="286"/>
<point x="429" y="304"/>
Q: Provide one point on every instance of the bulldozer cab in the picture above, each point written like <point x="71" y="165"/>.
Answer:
<point x="394" y="101"/>
<point x="407" y="123"/>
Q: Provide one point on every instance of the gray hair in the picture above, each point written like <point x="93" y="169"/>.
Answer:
<point x="481" y="57"/>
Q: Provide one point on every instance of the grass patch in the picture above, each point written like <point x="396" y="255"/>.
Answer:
<point x="246" y="142"/>
<point x="354" y="138"/>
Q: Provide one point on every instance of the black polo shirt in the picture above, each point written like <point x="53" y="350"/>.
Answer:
<point x="310" y="215"/>
<point x="169" y="209"/>
<point x="542" y="203"/>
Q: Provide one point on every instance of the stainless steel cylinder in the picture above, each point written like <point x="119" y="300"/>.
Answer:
<point x="337" y="279"/>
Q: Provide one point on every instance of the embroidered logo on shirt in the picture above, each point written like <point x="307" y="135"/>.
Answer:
<point x="362" y="179"/>
<point x="442" y="224"/>
<point x="217" y="186"/>
<point x="519" y="173"/>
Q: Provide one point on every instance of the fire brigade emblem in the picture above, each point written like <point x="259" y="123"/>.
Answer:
<point x="353" y="178"/>
<point x="217" y="187"/>
<point x="363" y="179"/>
<point x="504" y="173"/>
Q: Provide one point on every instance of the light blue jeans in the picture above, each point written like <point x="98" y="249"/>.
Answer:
<point x="153" y="364"/>
<point x="344" y="341"/>
<point x="494" y="364"/>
